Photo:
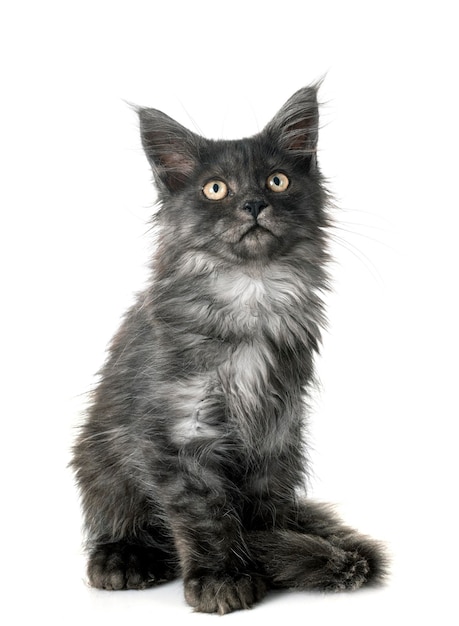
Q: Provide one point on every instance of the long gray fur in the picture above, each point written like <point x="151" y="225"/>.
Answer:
<point x="192" y="456"/>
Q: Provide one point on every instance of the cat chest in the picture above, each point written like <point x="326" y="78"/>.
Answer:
<point x="244" y="304"/>
<point x="206" y="403"/>
<point x="234" y="401"/>
<point x="236" y="394"/>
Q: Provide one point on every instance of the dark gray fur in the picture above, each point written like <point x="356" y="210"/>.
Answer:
<point x="192" y="459"/>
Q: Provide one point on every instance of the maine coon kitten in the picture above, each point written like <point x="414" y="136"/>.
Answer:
<point x="191" y="460"/>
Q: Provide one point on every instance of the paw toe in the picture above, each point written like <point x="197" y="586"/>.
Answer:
<point x="351" y="573"/>
<point x="223" y="594"/>
<point x="123" y="566"/>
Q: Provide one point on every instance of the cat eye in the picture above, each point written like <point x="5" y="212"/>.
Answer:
<point x="215" y="190"/>
<point x="277" y="182"/>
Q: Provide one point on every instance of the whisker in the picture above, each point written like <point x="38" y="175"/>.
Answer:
<point x="368" y="237"/>
<point x="361" y="256"/>
<point x="362" y="225"/>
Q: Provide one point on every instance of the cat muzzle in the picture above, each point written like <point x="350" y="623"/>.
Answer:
<point x="255" y="207"/>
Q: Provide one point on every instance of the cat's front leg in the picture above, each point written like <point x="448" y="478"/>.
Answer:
<point x="218" y="574"/>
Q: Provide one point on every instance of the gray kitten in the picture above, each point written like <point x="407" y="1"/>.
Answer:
<point x="191" y="460"/>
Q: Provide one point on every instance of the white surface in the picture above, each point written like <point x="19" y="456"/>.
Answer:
<point x="75" y="201"/>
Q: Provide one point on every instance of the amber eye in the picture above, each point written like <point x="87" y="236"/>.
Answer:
<point x="215" y="190"/>
<point x="278" y="182"/>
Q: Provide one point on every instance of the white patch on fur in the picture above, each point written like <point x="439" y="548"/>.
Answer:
<point x="244" y="376"/>
<point x="195" y="263"/>
<point x="240" y="297"/>
<point x="193" y="397"/>
<point x="245" y="379"/>
<point x="240" y="289"/>
<point x="275" y="299"/>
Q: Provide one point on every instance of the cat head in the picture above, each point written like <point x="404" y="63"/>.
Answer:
<point x="246" y="200"/>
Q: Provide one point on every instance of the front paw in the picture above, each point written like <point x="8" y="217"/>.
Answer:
<point x="223" y="593"/>
<point x="121" y="565"/>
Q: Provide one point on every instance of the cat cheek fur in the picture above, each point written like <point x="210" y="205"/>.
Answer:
<point x="192" y="456"/>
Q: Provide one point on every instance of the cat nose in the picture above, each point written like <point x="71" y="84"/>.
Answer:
<point x="255" y="207"/>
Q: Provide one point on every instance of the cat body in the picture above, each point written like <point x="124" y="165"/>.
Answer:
<point x="192" y="458"/>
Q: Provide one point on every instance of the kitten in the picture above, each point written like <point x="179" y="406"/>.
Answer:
<point x="191" y="460"/>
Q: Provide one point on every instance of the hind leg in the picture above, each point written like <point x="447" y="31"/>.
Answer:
<point x="298" y="560"/>
<point x="321" y="520"/>
<point x="314" y="549"/>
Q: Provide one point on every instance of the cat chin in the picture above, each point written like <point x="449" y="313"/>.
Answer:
<point x="257" y="243"/>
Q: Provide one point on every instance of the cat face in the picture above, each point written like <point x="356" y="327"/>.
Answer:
<point x="247" y="200"/>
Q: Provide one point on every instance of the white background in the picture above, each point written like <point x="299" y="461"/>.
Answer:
<point x="75" y="201"/>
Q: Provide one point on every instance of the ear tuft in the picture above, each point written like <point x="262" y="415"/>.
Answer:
<point x="296" y="126"/>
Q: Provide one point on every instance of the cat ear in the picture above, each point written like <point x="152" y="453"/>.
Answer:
<point x="171" y="149"/>
<point x="295" y="127"/>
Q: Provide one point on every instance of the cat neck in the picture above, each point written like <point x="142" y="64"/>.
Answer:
<point x="279" y="299"/>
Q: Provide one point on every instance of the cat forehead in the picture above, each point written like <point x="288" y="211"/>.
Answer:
<point x="243" y="155"/>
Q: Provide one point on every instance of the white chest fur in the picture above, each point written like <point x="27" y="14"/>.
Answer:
<point x="275" y="301"/>
<point x="247" y="309"/>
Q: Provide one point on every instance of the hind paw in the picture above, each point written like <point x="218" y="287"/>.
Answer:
<point x="348" y="573"/>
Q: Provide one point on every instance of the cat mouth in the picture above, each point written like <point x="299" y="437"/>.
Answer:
<point x="251" y="240"/>
<point x="257" y="241"/>
<point x="256" y="231"/>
